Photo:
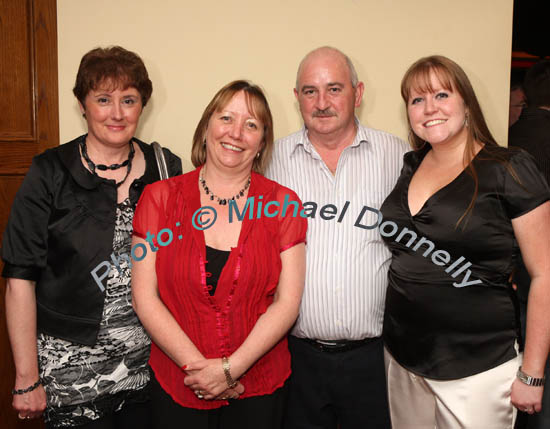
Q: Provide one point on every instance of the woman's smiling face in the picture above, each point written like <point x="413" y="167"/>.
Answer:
<point x="234" y="135"/>
<point x="437" y="115"/>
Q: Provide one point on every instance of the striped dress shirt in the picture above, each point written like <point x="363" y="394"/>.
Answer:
<point x="347" y="263"/>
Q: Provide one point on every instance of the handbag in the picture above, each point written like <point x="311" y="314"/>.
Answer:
<point x="161" y="161"/>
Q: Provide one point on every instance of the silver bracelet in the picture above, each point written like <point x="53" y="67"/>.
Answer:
<point x="529" y="380"/>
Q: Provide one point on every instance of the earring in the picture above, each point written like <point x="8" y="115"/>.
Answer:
<point x="466" y="123"/>
<point x="258" y="155"/>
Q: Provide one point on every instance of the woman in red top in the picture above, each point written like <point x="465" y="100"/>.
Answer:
<point x="218" y="291"/>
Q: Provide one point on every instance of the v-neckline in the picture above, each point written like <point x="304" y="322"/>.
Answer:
<point x="222" y="298"/>
<point x="437" y="194"/>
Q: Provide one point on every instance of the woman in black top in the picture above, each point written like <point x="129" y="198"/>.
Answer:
<point x="451" y="223"/>
<point x="80" y="352"/>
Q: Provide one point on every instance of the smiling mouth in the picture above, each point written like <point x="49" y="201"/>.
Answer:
<point x="434" y="122"/>
<point x="231" y="147"/>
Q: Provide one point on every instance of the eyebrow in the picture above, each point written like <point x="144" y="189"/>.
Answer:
<point x="341" y="85"/>
<point x="306" y="87"/>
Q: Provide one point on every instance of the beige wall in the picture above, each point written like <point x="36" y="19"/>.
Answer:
<point x="191" y="49"/>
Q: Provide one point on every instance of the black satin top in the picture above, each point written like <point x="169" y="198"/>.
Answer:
<point x="449" y="307"/>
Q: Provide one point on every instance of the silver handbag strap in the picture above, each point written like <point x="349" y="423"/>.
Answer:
<point x="161" y="161"/>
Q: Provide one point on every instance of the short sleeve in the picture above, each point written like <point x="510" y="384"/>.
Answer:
<point x="293" y="227"/>
<point x="527" y="190"/>
<point x="25" y="240"/>
<point x="149" y="211"/>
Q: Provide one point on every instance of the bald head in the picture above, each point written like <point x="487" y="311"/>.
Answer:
<point x="328" y="52"/>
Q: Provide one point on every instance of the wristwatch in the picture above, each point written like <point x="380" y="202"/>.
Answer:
<point x="530" y="381"/>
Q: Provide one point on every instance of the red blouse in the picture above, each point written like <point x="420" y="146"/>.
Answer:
<point x="218" y="324"/>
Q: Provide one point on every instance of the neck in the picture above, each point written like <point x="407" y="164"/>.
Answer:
<point x="451" y="154"/>
<point x="224" y="183"/>
<point x="336" y="141"/>
<point x="104" y="154"/>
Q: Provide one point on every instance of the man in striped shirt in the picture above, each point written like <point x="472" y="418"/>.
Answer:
<point x="342" y="171"/>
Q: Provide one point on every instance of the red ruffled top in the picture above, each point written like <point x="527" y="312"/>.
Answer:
<point x="218" y="324"/>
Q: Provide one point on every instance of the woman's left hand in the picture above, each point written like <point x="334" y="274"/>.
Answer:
<point x="207" y="376"/>
<point x="526" y="398"/>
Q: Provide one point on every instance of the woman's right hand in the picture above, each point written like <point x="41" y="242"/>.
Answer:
<point x="234" y="393"/>
<point x="21" y="323"/>
<point x="30" y="405"/>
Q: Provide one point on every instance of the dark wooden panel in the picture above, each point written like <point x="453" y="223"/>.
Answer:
<point x="45" y="64"/>
<point x="16" y="157"/>
<point x="29" y="124"/>
<point x="16" y="70"/>
<point x="8" y="188"/>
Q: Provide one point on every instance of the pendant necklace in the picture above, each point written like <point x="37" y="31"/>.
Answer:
<point x="222" y="201"/>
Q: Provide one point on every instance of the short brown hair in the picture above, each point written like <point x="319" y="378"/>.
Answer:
<point x="257" y="105"/>
<point x="116" y="65"/>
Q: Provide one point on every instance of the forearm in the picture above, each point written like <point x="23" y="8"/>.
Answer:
<point x="537" y="342"/>
<point x="21" y="324"/>
<point x="267" y="332"/>
<point x="164" y="329"/>
<point x="280" y="315"/>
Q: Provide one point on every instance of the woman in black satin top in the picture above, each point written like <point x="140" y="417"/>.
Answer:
<point x="453" y="223"/>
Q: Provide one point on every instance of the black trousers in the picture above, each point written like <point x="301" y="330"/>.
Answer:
<point x="337" y="389"/>
<point x="131" y="416"/>
<point x="258" y="412"/>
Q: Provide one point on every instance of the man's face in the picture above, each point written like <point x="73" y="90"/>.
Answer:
<point x="517" y="103"/>
<point x="326" y="96"/>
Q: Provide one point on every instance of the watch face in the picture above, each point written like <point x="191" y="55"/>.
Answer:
<point x="529" y="380"/>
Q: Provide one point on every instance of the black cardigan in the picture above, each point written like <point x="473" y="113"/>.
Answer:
<point x="61" y="226"/>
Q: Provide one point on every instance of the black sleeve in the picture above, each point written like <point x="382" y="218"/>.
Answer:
<point x="527" y="190"/>
<point x="173" y="163"/>
<point x="25" y="240"/>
